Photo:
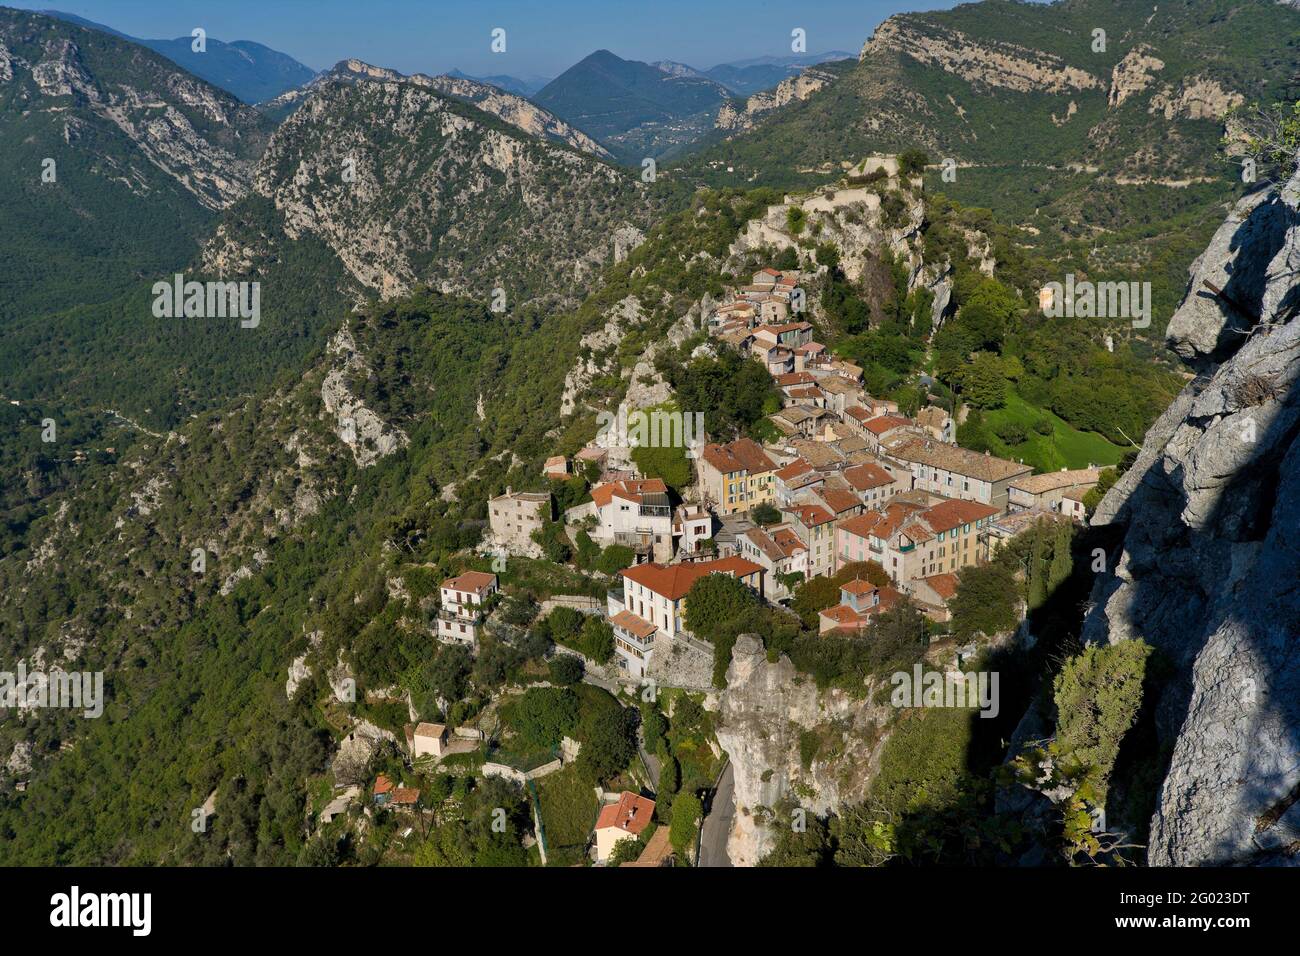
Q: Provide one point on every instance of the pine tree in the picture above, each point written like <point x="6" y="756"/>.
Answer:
<point x="1038" y="570"/>
<point x="1062" y="562"/>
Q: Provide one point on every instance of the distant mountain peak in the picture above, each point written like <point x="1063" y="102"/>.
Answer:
<point x="246" y="69"/>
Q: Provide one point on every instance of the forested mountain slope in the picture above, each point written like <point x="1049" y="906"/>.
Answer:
<point x="113" y="162"/>
<point x="317" y="539"/>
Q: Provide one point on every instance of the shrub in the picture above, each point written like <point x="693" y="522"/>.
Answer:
<point x="565" y="669"/>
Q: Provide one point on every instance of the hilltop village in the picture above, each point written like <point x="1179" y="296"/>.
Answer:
<point x="836" y="514"/>
<point x="849" y="480"/>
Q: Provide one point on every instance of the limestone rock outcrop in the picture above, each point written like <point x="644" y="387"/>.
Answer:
<point x="767" y="713"/>
<point x="1209" y="568"/>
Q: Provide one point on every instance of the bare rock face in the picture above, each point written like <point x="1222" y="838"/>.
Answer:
<point x="1133" y="74"/>
<point x="1209" y="571"/>
<point x="990" y="63"/>
<point x="734" y="118"/>
<point x="414" y="181"/>
<point x="368" y="436"/>
<point x="197" y="136"/>
<point x="1239" y="261"/>
<point x="766" y="711"/>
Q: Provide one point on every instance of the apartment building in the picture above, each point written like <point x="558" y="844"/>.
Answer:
<point x="461" y="612"/>
<point x="953" y="471"/>
<point x="815" y="526"/>
<point x="736" y="476"/>
<point x="912" y="541"/>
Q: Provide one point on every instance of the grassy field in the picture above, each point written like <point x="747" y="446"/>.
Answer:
<point x="1065" y="447"/>
<point x="568" y="814"/>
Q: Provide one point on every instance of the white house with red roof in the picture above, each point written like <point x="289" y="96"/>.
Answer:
<point x="624" y="820"/>
<point x="461" y="613"/>
<point x="636" y="513"/>
<point x="656" y="593"/>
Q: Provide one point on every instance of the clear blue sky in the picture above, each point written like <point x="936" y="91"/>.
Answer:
<point x="543" y="38"/>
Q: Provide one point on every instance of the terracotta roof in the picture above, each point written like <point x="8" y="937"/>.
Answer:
<point x="944" y="585"/>
<point x="425" y="729"/>
<point x="787" y="327"/>
<point x="794" y="469"/>
<point x="673" y="581"/>
<point x="795" y="378"/>
<point x="867" y="476"/>
<point x="961" y="461"/>
<point x="383" y="784"/>
<point x="810" y="515"/>
<point x="788" y="541"/>
<point x="628" y="490"/>
<point x="633" y="624"/>
<point x="809" y="348"/>
<point x="743" y="454"/>
<point x="880" y="524"/>
<point x="886" y="423"/>
<point x="404" y="796"/>
<point x="1055" y="480"/>
<point x="839" y="500"/>
<point x="473" y="582"/>
<point x="806" y="391"/>
<point x="932" y="416"/>
<point x="632" y="813"/>
<point x="658" y="850"/>
<point x="847" y="619"/>
<point x="816" y="453"/>
<point x="858" y="586"/>
<point x="858" y="412"/>
<point x="763" y="541"/>
<point x="950" y="514"/>
<point x="831" y="383"/>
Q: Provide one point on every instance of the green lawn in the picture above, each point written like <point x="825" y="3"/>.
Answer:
<point x="1066" y="447"/>
<point x="568" y="814"/>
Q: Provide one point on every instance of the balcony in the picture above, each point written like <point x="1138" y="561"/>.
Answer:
<point x="458" y="614"/>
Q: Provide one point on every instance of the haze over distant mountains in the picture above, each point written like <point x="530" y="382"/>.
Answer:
<point x="641" y="109"/>
<point x="245" y="69"/>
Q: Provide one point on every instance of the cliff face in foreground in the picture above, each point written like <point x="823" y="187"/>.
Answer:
<point x="1209" y="568"/>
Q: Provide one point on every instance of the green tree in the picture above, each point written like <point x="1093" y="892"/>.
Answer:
<point x="542" y="715"/>
<point x="687" y="812"/>
<point x="983" y="384"/>
<point x="985" y="602"/>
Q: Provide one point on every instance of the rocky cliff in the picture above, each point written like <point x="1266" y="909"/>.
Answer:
<point x="770" y="717"/>
<point x="1209" y="567"/>
<point x="741" y="115"/>
<point x="408" y="185"/>
<point x="108" y="95"/>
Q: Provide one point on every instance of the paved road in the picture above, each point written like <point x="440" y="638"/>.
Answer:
<point x="717" y="824"/>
